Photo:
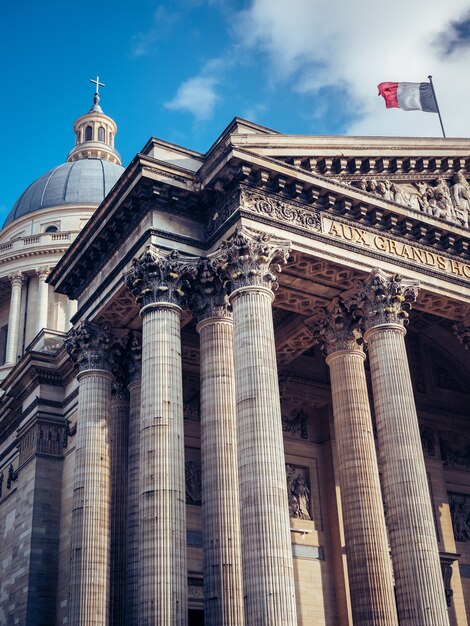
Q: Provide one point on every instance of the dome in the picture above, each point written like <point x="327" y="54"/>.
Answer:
<point x="86" y="181"/>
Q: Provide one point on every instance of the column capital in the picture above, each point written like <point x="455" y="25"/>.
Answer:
<point x="16" y="279"/>
<point x="249" y="258"/>
<point x="89" y="346"/>
<point x="135" y="357"/>
<point x="210" y="296"/>
<point x="462" y="333"/>
<point x="336" y="330"/>
<point x="383" y="299"/>
<point x="43" y="272"/>
<point x="160" y="278"/>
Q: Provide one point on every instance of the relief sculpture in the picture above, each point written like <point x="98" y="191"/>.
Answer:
<point x="298" y="491"/>
<point x="460" y="512"/>
<point x="455" y="450"/>
<point x="446" y="201"/>
<point x="193" y="483"/>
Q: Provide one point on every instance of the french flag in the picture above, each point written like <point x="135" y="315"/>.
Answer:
<point x="409" y="96"/>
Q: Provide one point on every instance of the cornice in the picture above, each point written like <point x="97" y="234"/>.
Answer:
<point x="306" y="194"/>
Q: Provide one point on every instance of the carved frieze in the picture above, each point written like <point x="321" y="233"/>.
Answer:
<point x="250" y="258"/>
<point x="448" y="201"/>
<point x="296" y="423"/>
<point x="462" y="333"/>
<point x="155" y="277"/>
<point x="280" y="210"/>
<point x="298" y="491"/>
<point x="459" y="504"/>
<point x="454" y="449"/>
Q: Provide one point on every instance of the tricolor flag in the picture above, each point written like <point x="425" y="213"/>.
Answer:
<point x="409" y="96"/>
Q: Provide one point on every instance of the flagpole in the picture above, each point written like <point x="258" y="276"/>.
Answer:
<point x="437" y="106"/>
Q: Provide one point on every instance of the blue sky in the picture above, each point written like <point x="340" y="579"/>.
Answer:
<point x="182" y="69"/>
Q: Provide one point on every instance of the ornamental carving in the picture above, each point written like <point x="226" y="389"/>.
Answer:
<point x="250" y="258"/>
<point x="296" y="422"/>
<point x="193" y="483"/>
<point x="443" y="200"/>
<point x="89" y="346"/>
<point x="336" y="329"/>
<point x="135" y="356"/>
<point x="383" y="299"/>
<point x="459" y="504"/>
<point x="298" y="491"/>
<point x="428" y="441"/>
<point x="155" y="277"/>
<point x="285" y="212"/>
<point x="192" y="405"/>
<point x="462" y="333"/>
<point x="455" y="450"/>
<point x="16" y="279"/>
<point x="210" y="298"/>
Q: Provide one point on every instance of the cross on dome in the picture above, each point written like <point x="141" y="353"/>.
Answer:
<point x="97" y="84"/>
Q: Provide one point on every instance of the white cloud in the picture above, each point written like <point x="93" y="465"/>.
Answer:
<point x="355" y="45"/>
<point x="197" y="96"/>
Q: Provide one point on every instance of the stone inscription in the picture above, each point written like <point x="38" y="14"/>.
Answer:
<point x="395" y="249"/>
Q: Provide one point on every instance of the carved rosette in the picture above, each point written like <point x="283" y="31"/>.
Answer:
<point x="210" y="297"/>
<point x="336" y="329"/>
<point x="250" y="258"/>
<point x="383" y="299"/>
<point x="89" y="346"/>
<point x="462" y="333"/>
<point x="158" y="278"/>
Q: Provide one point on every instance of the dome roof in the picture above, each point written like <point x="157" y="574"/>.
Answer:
<point x="86" y="181"/>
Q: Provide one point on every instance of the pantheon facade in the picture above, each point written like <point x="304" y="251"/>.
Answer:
<point x="246" y="399"/>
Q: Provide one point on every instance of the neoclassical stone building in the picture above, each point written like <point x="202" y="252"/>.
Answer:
<point x="260" y="416"/>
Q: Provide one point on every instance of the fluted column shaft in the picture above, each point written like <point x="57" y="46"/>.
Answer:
<point x="132" y="558"/>
<point x="14" y="319"/>
<point x="43" y="299"/>
<point x="119" y="448"/>
<point x="369" y="566"/>
<point x="90" y="534"/>
<point x="266" y="542"/>
<point x="223" y="586"/>
<point x="412" y="531"/>
<point x="162" y="549"/>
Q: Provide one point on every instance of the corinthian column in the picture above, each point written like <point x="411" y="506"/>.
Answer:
<point x="90" y="534"/>
<point x="133" y="459"/>
<point x="43" y="298"/>
<point x="385" y="302"/>
<point x="159" y="284"/>
<point x="14" y="318"/>
<point x="248" y="260"/>
<point x="223" y="587"/>
<point x="369" y="566"/>
<point x="119" y="425"/>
